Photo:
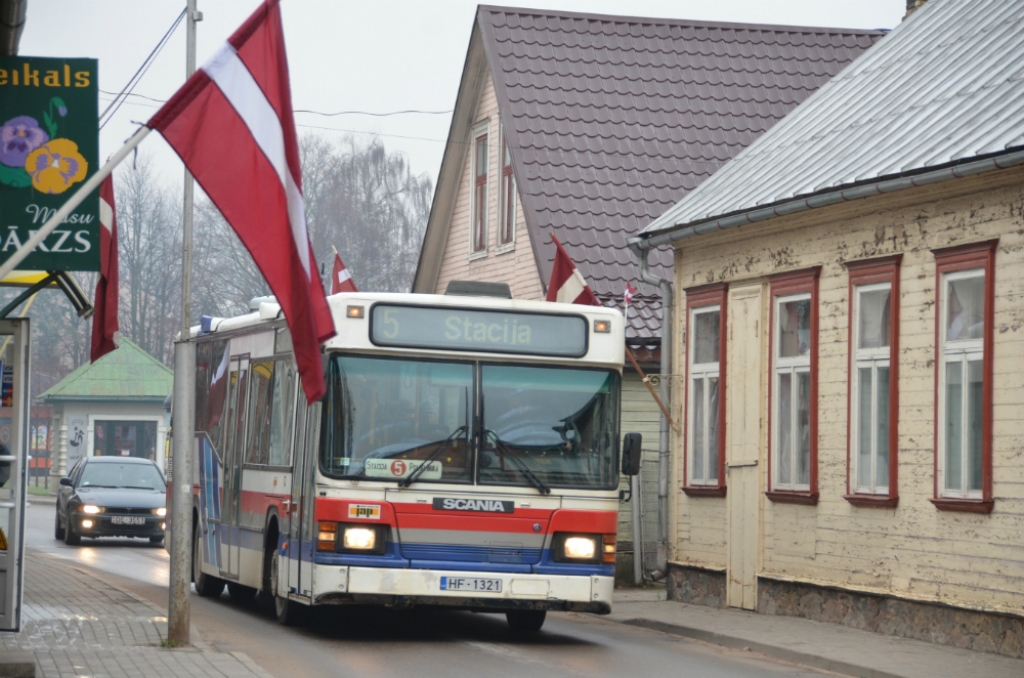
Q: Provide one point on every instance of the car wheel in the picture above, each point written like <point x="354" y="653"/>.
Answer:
<point x="156" y="539"/>
<point x="207" y="585"/>
<point x="58" y="531"/>
<point x="288" y="612"/>
<point x="70" y="537"/>
<point x="526" y="621"/>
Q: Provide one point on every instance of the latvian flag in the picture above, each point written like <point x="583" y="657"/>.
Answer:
<point x="567" y="285"/>
<point x="341" y="279"/>
<point x="104" y="321"/>
<point x="233" y="127"/>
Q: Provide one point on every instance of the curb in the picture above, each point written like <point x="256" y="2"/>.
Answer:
<point x="794" y="656"/>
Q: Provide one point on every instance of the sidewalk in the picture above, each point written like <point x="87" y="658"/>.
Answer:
<point x="76" y="624"/>
<point x="830" y="647"/>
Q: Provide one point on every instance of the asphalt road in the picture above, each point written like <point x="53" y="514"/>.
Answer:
<point x="376" y="642"/>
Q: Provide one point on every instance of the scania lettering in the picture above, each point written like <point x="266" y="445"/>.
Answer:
<point x="466" y="455"/>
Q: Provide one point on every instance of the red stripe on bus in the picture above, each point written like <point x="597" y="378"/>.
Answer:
<point x="261" y="502"/>
<point x="573" y="520"/>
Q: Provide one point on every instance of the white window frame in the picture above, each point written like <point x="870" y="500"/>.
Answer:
<point x="481" y="128"/>
<point x="793" y="366"/>
<point x="500" y="247"/>
<point x="704" y="372"/>
<point x="872" y="358"/>
<point x="964" y="352"/>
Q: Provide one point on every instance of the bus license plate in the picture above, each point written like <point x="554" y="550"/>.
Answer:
<point x="128" y="520"/>
<point x="470" y="584"/>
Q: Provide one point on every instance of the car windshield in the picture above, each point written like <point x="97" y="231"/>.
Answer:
<point x="549" y="426"/>
<point x="385" y="418"/>
<point x="136" y="476"/>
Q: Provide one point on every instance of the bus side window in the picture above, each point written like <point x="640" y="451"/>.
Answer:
<point x="260" y="394"/>
<point x="281" y="412"/>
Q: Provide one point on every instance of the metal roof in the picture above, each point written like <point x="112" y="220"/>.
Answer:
<point x="944" y="87"/>
<point x="612" y="119"/>
<point x="125" y="374"/>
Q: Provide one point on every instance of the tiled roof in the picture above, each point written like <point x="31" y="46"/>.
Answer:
<point x="612" y="120"/>
<point x="126" y="373"/>
<point x="945" y="87"/>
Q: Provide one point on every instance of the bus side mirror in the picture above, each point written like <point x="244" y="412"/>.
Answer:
<point x="631" y="454"/>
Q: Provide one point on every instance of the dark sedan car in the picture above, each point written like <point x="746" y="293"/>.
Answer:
<point x="111" y="497"/>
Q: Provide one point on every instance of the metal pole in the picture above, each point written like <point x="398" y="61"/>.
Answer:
<point x="178" y="611"/>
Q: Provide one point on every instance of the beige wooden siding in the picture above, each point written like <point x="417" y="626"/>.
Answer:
<point x="914" y="550"/>
<point x="517" y="266"/>
<point x="641" y="415"/>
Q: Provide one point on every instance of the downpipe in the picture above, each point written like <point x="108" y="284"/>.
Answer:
<point x="664" y="451"/>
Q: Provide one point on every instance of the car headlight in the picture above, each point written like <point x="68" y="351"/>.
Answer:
<point x="360" y="538"/>
<point x="90" y="508"/>
<point x="579" y="548"/>
<point x="160" y="511"/>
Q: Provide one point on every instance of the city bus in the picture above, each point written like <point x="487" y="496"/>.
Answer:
<point x="466" y="455"/>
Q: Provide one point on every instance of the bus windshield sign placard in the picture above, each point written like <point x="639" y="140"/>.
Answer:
<point x="464" y="329"/>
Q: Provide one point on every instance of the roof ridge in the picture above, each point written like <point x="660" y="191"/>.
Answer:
<point x="683" y="22"/>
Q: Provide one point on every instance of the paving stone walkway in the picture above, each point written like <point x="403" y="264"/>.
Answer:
<point x="77" y="625"/>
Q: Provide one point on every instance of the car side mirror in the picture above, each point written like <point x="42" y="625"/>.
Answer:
<point x="66" y="481"/>
<point x="631" y="454"/>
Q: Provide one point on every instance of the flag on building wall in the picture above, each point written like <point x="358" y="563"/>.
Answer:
<point x="567" y="285"/>
<point x="341" y="279"/>
<point x="105" y="335"/>
<point x="232" y="125"/>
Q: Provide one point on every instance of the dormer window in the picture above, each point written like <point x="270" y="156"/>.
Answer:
<point x="479" y="237"/>
<point x="507" y="222"/>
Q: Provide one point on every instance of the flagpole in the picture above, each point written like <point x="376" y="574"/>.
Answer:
<point x="74" y="201"/>
<point x="183" y="425"/>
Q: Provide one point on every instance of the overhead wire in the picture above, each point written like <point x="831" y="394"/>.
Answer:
<point x="122" y="96"/>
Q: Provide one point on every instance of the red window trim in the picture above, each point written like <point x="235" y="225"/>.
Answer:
<point x="784" y="284"/>
<point x="947" y="260"/>
<point x="698" y="297"/>
<point x="479" y="199"/>
<point x="869" y="272"/>
<point x="508" y="216"/>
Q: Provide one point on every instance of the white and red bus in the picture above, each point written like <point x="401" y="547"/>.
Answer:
<point x="466" y="455"/>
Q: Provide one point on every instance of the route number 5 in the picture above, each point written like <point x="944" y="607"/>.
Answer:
<point x="392" y="322"/>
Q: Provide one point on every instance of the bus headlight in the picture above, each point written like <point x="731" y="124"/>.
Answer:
<point x="579" y="548"/>
<point x="360" y="538"/>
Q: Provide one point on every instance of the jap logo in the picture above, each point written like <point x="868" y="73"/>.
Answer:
<point x="364" y="511"/>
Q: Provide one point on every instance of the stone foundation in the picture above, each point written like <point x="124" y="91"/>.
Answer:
<point x="696" y="585"/>
<point x="980" y="631"/>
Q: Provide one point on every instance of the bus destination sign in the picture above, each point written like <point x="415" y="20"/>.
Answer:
<point x="463" y="329"/>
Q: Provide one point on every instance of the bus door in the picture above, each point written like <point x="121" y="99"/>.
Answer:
<point x="300" y="529"/>
<point x="234" y="455"/>
<point x="14" y="370"/>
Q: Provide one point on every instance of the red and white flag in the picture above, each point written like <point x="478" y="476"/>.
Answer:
<point x="104" y="321"/>
<point x="233" y="127"/>
<point x="567" y="285"/>
<point x="341" y="279"/>
<point x="627" y="296"/>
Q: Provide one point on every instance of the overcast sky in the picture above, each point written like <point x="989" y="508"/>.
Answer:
<point x="375" y="56"/>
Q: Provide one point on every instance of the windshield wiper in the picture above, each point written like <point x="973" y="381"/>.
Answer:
<point x="434" y="454"/>
<point x="105" y="487"/>
<point x="516" y="456"/>
<point x="137" y="487"/>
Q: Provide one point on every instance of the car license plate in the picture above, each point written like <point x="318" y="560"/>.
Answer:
<point x="470" y="584"/>
<point x="128" y="520"/>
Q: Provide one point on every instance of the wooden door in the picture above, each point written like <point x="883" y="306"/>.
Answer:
<point x="745" y="407"/>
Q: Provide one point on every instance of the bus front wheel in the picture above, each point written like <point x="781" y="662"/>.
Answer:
<point x="288" y="612"/>
<point x="526" y="621"/>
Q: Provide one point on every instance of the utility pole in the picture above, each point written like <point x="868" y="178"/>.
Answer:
<point x="183" y="426"/>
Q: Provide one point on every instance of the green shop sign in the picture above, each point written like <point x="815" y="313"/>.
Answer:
<point x="49" y="145"/>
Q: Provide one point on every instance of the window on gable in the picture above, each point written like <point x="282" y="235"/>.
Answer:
<point x="507" y="225"/>
<point x="705" y="414"/>
<point x="480" y="194"/>
<point x="793" y="449"/>
<point x="964" y="377"/>
<point x="874" y="307"/>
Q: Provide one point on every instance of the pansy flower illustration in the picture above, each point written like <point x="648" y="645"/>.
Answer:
<point x="55" y="166"/>
<point x="18" y="137"/>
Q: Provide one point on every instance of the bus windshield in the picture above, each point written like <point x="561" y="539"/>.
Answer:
<point x="547" y="426"/>
<point x="384" y="418"/>
<point x="410" y="420"/>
